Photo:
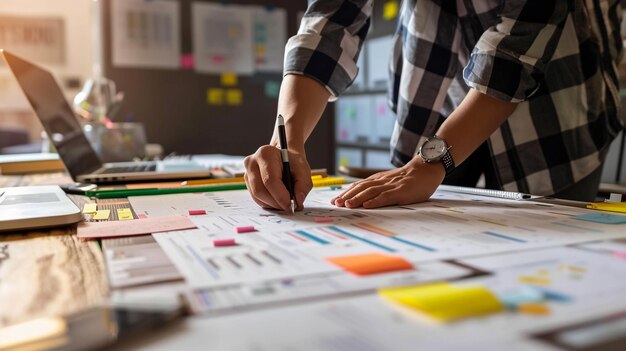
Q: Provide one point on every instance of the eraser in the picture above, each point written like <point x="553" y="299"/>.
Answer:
<point x="245" y="229"/>
<point x="224" y="242"/>
<point x="197" y="212"/>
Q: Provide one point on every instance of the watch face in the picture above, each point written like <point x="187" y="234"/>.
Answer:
<point x="433" y="149"/>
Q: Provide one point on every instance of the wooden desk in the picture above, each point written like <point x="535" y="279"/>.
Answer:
<point x="48" y="272"/>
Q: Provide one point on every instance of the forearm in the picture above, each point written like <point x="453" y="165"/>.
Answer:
<point x="302" y="101"/>
<point x="476" y="118"/>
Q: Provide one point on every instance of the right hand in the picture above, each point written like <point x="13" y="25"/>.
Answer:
<point x="264" y="178"/>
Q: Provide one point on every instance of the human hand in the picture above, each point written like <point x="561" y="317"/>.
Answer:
<point x="414" y="182"/>
<point x="264" y="178"/>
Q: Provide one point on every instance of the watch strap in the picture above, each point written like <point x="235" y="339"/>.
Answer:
<point x="448" y="163"/>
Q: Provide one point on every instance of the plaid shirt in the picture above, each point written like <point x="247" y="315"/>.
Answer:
<point x="555" y="58"/>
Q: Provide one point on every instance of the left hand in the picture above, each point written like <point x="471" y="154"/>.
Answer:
<point x="414" y="182"/>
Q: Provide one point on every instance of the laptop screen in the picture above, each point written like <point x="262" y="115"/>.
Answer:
<point x="56" y="115"/>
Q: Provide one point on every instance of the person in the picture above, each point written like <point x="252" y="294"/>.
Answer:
<point x="525" y="92"/>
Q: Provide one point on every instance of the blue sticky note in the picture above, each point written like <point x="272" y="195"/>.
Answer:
<point x="524" y="294"/>
<point x="602" y="217"/>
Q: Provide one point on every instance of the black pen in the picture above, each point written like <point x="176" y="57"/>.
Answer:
<point x="284" y="153"/>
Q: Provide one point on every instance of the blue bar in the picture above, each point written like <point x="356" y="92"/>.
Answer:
<point x="502" y="236"/>
<point x="430" y="249"/>
<point x="312" y="237"/>
<point x="362" y="239"/>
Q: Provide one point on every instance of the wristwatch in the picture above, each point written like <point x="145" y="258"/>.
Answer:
<point x="436" y="149"/>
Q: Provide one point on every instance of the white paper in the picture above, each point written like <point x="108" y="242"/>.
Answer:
<point x="378" y="54"/>
<point x="146" y="33"/>
<point x="450" y="225"/>
<point x="222" y="38"/>
<point x="270" y="37"/>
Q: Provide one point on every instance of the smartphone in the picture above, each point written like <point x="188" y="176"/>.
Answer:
<point x="90" y="329"/>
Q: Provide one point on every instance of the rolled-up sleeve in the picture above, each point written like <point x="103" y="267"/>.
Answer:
<point x="328" y="43"/>
<point x="510" y="58"/>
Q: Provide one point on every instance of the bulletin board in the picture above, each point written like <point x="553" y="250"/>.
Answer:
<point x="173" y="103"/>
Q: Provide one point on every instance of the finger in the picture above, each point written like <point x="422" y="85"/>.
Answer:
<point x="257" y="189"/>
<point x="271" y="177"/>
<point x="301" y="188"/>
<point x="389" y="197"/>
<point x="354" y="190"/>
<point x="366" y="195"/>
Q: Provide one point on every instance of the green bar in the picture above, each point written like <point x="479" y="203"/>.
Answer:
<point x="111" y="194"/>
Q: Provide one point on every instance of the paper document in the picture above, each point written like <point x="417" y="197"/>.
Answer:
<point x="450" y="225"/>
<point x="222" y="38"/>
<point x="146" y="33"/>
<point x="270" y="37"/>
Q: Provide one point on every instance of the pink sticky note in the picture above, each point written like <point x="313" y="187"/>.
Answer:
<point x="620" y="255"/>
<point x="218" y="59"/>
<point x="324" y="219"/>
<point x="197" y="212"/>
<point x="141" y="226"/>
<point x="245" y="229"/>
<point x="224" y="242"/>
<point x="187" y="61"/>
<point x="142" y="215"/>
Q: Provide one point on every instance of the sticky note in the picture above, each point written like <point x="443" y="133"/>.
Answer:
<point x="224" y="242"/>
<point x="90" y="208"/>
<point x="124" y="214"/>
<point x="245" y="229"/>
<point x="229" y="79"/>
<point x="234" y="97"/>
<point x="529" y="279"/>
<point x="390" y="10"/>
<point x="215" y="96"/>
<point x="324" y="219"/>
<point x="601" y="217"/>
<point x="111" y="229"/>
<point x="197" y="212"/>
<point x="445" y="302"/>
<point x="335" y="187"/>
<point x="525" y="294"/>
<point x="620" y="255"/>
<point x="187" y="61"/>
<point x="102" y="214"/>
<point x="272" y="89"/>
<point x="142" y="215"/>
<point x="374" y="263"/>
<point x="537" y="309"/>
<point x="608" y="206"/>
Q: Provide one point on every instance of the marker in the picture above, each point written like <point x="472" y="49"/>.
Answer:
<point x="284" y="153"/>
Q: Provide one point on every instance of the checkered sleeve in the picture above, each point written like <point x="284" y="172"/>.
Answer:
<point x="510" y="58"/>
<point x="328" y="42"/>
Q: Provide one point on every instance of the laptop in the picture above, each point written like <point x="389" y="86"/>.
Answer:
<point x="66" y="133"/>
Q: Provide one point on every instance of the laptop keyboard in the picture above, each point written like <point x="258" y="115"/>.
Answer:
<point x="130" y="169"/>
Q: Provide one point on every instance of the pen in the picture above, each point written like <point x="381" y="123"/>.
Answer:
<point x="284" y="153"/>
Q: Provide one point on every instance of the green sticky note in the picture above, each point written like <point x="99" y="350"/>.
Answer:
<point x="272" y="88"/>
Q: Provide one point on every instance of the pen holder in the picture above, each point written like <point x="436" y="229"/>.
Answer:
<point x="116" y="142"/>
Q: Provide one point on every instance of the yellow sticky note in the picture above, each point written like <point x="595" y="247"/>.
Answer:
<point x="390" y="10"/>
<point x="445" y="302"/>
<point x="124" y="214"/>
<point x="215" y="96"/>
<point x="234" y="97"/>
<point x="229" y="79"/>
<point x="608" y="206"/>
<point x="529" y="279"/>
<point x="90" y="208"/>
<point x="102" y="214"/>
<point x="261" y="49"/>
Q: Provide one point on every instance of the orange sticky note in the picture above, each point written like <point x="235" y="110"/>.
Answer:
<point x="373" y="263"/>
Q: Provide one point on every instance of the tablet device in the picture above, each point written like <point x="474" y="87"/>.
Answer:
<point x="33" y="207"/>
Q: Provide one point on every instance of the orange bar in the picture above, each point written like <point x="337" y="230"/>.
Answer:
<point x="374" y="229"/>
